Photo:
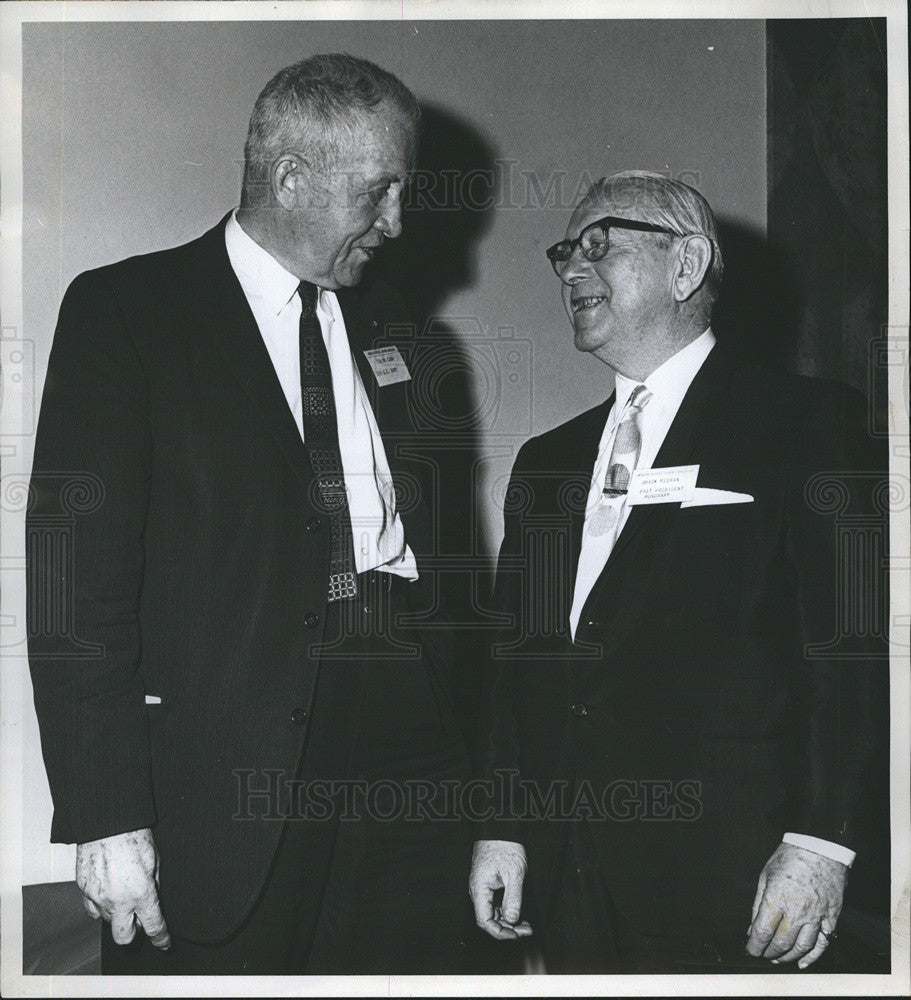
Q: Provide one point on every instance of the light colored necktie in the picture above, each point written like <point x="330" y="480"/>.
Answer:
<point x="623" y="458"/>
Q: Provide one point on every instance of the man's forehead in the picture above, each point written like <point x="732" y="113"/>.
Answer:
<point x="380" y="147"/>
<point x="587" y="212"/>
<point x="373" y="168"/>
<point x="591" y="210"/>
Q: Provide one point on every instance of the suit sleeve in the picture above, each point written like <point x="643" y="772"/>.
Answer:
<point x="837" y="526"/>
<point x="499" y="752"/>
<point x="89" y="495"/>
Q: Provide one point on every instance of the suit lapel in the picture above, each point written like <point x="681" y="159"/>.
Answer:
<point x="579" y="459"/>
<point x="680" y="446"/>
<point x="223" y="310"/>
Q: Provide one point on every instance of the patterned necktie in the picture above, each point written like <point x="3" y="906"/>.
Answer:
<point x="627" y="444"/>
<point x="623" y="458"/>
<point x="321" y="441"/>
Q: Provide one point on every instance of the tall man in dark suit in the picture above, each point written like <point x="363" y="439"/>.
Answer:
<point x="236" y="671"/>
<point x="693" y="719"/>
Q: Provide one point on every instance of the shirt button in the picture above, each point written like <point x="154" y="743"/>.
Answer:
<point x="580" y="710"/>
<point x="314" y="524"/>
<point x="311" y="620"/>
<point x="298" y="716"/>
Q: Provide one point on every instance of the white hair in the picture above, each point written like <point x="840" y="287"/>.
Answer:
<point x="652" y="197"/>
<point x="313" y="106"/>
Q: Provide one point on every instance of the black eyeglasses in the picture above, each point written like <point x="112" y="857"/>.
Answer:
<point x="593" y="239"/>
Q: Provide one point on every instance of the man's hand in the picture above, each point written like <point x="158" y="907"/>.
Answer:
<point x="498" y="864"/>
<point x="797" y="905"/>
<point x="118" y="878"/>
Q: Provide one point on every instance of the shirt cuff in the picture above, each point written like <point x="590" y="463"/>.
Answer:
<point x="824" y="847"/>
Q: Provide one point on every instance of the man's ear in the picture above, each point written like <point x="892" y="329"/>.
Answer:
<point x="694" y="258"/>
<point x="291" y="180"/>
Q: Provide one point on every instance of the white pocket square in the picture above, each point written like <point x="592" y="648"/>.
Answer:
<point x="153" y="699"/>
<point x="703" y="497"/>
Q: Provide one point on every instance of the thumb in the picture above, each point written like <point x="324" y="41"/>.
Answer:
<point x="512" y="899"/>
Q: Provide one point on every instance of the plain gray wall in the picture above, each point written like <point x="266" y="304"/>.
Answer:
<point x="133" y="141"/>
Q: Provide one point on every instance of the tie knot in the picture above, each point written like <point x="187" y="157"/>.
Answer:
<point x="639" y="397"/>
<point x="307" y="292"/>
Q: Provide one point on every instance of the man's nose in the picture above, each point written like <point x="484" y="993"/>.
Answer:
<point x="389" y="221"/>
<point x="575" y="268"/>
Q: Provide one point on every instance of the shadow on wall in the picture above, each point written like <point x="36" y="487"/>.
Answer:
<point x="759" y="312"/>
<point x="448" y="208"/>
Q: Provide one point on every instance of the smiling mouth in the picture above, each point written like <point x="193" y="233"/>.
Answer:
<point x="587" y="302"/>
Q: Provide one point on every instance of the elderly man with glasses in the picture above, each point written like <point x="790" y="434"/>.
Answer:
<point x="674" y="714"/>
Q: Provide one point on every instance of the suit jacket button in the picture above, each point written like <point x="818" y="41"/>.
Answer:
<point x="313" y="525"/>
<point x="311" y="620"/>
<point x="298" y="716"/>
<point x="580" y="710"/>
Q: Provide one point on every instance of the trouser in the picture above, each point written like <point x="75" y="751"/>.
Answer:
<point x="379" y="884"/>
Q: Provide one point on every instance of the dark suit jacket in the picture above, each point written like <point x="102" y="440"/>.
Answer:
<point x="728" y="679"/>
<point x="176" y="549"/>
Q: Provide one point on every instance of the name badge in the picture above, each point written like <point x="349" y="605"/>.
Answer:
<point x="672" y="485"/>
<point x="388" y="365"/>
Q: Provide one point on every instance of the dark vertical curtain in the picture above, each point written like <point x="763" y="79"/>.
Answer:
<point x="827" y="207"/>
<point x="828" y="236"/>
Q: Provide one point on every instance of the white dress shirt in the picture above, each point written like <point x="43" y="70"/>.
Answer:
<point x="377" y="529"/>
<point x="668" y="384"/>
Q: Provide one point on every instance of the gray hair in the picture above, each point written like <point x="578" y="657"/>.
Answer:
<point x="652" y="197"/>
<point x="314" y="106"/>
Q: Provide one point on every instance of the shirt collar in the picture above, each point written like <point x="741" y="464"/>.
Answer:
<point x="669" y="382"/>
<point x="259" y="273"/>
